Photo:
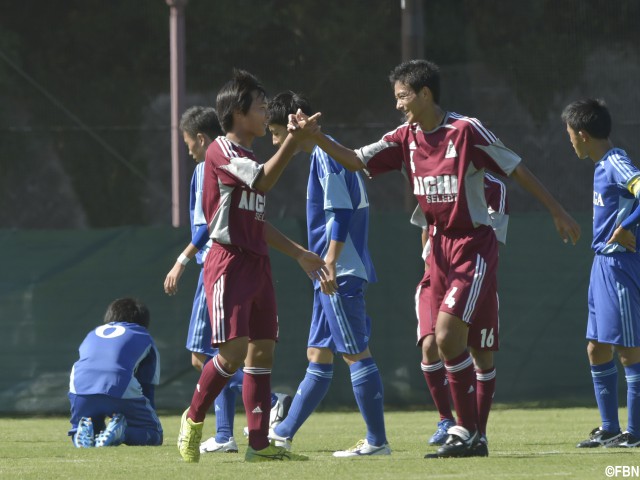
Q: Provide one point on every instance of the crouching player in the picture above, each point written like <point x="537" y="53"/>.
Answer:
<point x="115" y="377"/>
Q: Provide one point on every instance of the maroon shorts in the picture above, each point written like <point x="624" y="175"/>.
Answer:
<point x="463" y="275"/>
<point x="240" y="295"/>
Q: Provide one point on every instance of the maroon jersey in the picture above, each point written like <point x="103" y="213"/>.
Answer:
<point x="234" y="210"/>
<point x="446" y="167"/>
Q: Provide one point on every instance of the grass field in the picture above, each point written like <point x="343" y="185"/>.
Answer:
<point x="524" y="443"/>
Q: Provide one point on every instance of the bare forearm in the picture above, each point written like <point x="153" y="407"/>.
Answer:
<point x="343" y="155"/>
<point x="278" y="240"/>
<point x="567" y="227"/>
<point x="334" y="251"/>
<point x="530" y="183"/>
<point x="274" y="167"/>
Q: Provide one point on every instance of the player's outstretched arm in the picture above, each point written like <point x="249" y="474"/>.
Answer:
<point x="566" y="226"/>
<point x="173" y="277"/>
<point x="343" y="155"/>
<point x="311" y="263"/>
<point x="274" y="167"/>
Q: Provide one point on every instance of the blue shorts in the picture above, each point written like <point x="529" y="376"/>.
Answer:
<point x="614" y="300"/>
<point x="143" y="425"/>
<point x="199" y="336"/>
<point x="340" y="322"/>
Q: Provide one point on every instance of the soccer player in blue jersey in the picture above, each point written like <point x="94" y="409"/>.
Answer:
<point x="199" y="126"/>
<point x="337" y="227"/>
<point x="614" y="287"/>
<point x="115" y="376"/>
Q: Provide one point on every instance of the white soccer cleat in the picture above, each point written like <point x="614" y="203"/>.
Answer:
<point x="363" y="449"/>
<point x="114" y="434"/>
<point x="211" y="446"/>
<point x="84" y="438"/>
<point x="280" y="410"/>
<point x="279" y="441"/>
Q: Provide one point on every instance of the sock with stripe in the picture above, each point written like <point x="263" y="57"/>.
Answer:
<point x="311" y="391"/>
<point x="212" y="380"/>
<point x="225" y="407"/>
<point x="436" y="378"/>
<point x="462" y="382"/>
<point x="367" y="388"/>
<point x="632" y="374"/>
<point x="605" y="385"/>
<point x="256" y="395"/>
<point x="486" y="388"/>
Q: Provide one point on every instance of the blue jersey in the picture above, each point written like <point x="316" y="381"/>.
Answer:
<point x="196" y="213"/>
<point x="115" y="359"/>
<point x="614" y="180"/>
<point x="331" y="187"/>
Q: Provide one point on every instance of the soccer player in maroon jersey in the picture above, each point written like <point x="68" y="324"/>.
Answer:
<point x="444" y="156"/>
<point x="489" y="340"/>
<point x="237" y="272"/>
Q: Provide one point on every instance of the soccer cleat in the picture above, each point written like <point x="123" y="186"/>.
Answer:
<point x="113" y="435"/>
<point x="272" y="453"/>
<point x="189" y="438"/>
<point x="460" y="443"/>
<point x="626" y="440"/>
<point x="83" y="438"/>
<point x="211" y="446"/>
<point x="480" y="449"/>
<point x="600" y="438"/>
<point x="363" y="448"/>
<point x="279" y="441"/>
<point x="440" y="435"/>
<point x="280" y="410"/>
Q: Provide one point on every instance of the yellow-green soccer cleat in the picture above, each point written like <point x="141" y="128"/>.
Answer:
<point x="272" y="453"/>
<point x="189" y="438"/>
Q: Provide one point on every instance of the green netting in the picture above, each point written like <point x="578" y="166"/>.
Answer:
<point x="56" y="284"/>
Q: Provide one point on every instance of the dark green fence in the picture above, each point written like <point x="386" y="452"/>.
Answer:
<point x="55" y="286"/>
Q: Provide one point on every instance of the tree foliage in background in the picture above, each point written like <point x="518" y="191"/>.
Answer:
<point x="108" y="64"/>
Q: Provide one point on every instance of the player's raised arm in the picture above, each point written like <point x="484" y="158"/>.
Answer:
<point x="566" y="226"/>
<point x="343" y="155"/>
<point x="274" y="167"/>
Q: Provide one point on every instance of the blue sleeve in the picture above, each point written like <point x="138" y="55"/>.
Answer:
<point x="341" y="220"/>
<point x="632" y="220"/>
<point x="200" y="237"/>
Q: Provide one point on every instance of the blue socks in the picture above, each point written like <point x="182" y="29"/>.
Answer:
<point x="367" y="388"/>
<point x="311" y="391"/>
<point x="605" y="384"/>
<point x="632" y="374"/>
<point x="225" y="407"/>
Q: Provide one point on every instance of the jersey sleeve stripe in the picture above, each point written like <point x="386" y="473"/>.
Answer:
<point x="224" y="146"/>
<point x="503" y="191"/>
<point x="486" y="134"/>
<point x="621" y="166"/>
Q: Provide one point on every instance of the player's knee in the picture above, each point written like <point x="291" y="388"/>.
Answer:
<point x="430" y="352"/>
<point x="197" y="362"/>
<point x="599" y="353"/>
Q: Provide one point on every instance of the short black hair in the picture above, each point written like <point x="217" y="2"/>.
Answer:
<point x="590" y="115"/>
<point x="197" y="120"/>
<point x="418" y="74"/>
<point x="237" y="94"/>
<point x="286" y="103"/>
<point x="128" y="310"/>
